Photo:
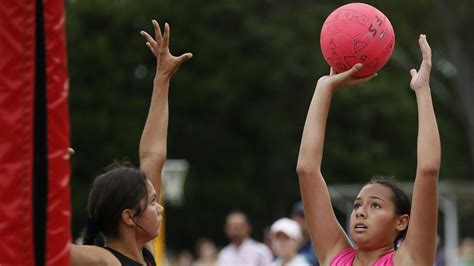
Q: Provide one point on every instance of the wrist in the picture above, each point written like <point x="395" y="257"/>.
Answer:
<point x="325" y="88"/>
<point x="423" y="90"/>
<point x="162" y="78"/>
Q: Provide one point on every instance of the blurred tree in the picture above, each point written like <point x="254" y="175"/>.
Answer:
<point x="458" y="65"/>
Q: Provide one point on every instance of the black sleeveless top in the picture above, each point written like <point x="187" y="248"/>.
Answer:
<point x="126" y="261"/>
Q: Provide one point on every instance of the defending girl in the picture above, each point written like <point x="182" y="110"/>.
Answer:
<point x="381" y="214"/>
<point x="123" y="203"/>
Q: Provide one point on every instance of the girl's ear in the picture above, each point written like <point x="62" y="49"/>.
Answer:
<point x="403" y="222"/>
<point x="127" y="217"/>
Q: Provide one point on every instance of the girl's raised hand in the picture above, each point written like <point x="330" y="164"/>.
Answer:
<point x="335" y="81"/>
<point x="167" y="64"/>
<point x="421" y="78"/>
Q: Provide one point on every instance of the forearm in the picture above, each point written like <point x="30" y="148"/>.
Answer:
<point x="153" y="142"/>
<point x="428" y="144"/>
<point x="312" y="142"/>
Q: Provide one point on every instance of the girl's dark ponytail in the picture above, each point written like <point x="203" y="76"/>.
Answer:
<point x="91" y="232"/>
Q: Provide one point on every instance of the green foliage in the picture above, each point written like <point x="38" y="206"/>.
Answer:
<point x="237" y="109"/>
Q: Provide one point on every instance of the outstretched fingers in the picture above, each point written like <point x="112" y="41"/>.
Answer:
<point x="420" y="78"/>
<point x="346" y="78"/>
<point x="353" y="81"/>
<point x="183" y="58"/>
<point x="347" y="75"/>
<point x="425" y="50"/>
<point x="166" y="36"/>
<point x="157" y="29"/>
<point x="159" y="46"/>
<point x="150" y="42"/>
<point x="355" y="68"/>
<point x="153" y="43"/>
<point x="363" y="80"/>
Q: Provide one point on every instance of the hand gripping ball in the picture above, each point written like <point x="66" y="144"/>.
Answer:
<point x="357" y="33"/>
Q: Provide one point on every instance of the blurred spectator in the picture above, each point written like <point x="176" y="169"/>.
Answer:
<point x="466" y="252"/>
<point x="440" y="256"/>
<point x="306" y="247"/>
<point x="286" y="234"/>
<point x="242" y="250"/>
<point x="206" y="253"/>
<point x="267" y="240"/>
<point x="184" y="258"/>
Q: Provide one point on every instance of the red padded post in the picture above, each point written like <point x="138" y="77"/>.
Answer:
<point x="58" y="234"/>
<point x="17" y="83"/>
<point x="20" y="77"/>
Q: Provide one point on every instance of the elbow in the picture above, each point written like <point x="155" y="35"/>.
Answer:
<point x="305" y="169"/>
<point x="153" y="156"/>
<point x="429" y="170"/>
<point x="301" y="169"/>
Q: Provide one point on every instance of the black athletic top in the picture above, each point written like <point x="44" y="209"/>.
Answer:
<point x="126" y="261"/>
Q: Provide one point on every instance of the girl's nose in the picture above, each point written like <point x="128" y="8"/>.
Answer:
<point x="360" y="212"/>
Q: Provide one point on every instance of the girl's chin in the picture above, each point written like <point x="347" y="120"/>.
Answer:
<point x="360" y="241"/>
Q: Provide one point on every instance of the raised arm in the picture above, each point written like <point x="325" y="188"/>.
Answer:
<point x="326" y="233"/>
<point x="152" y="149"/>
<point x="420" y="243"/>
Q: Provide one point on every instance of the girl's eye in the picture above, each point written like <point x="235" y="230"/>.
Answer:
<point x="356" y="206"/>
<point x="376" y="206"/>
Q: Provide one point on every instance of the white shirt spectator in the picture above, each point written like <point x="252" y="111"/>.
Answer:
<point x="298" y="260"/>
<point x="249" y="253"/>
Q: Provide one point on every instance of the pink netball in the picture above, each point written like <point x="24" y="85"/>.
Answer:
<point x="357" y="33"/>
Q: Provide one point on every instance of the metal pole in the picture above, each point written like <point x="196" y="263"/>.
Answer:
<point x="449" y="207"/>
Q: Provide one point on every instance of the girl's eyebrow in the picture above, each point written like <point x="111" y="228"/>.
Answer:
<point x="375" y="197"/>
<point x="370" y="197"/>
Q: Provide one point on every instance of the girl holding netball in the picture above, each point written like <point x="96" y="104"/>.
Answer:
<point x="381" y="216"/>
<point x="123" y="204"/>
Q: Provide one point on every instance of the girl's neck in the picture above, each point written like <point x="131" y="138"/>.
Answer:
<point x="369" y="257"/>
<point x="130" y="249"/>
